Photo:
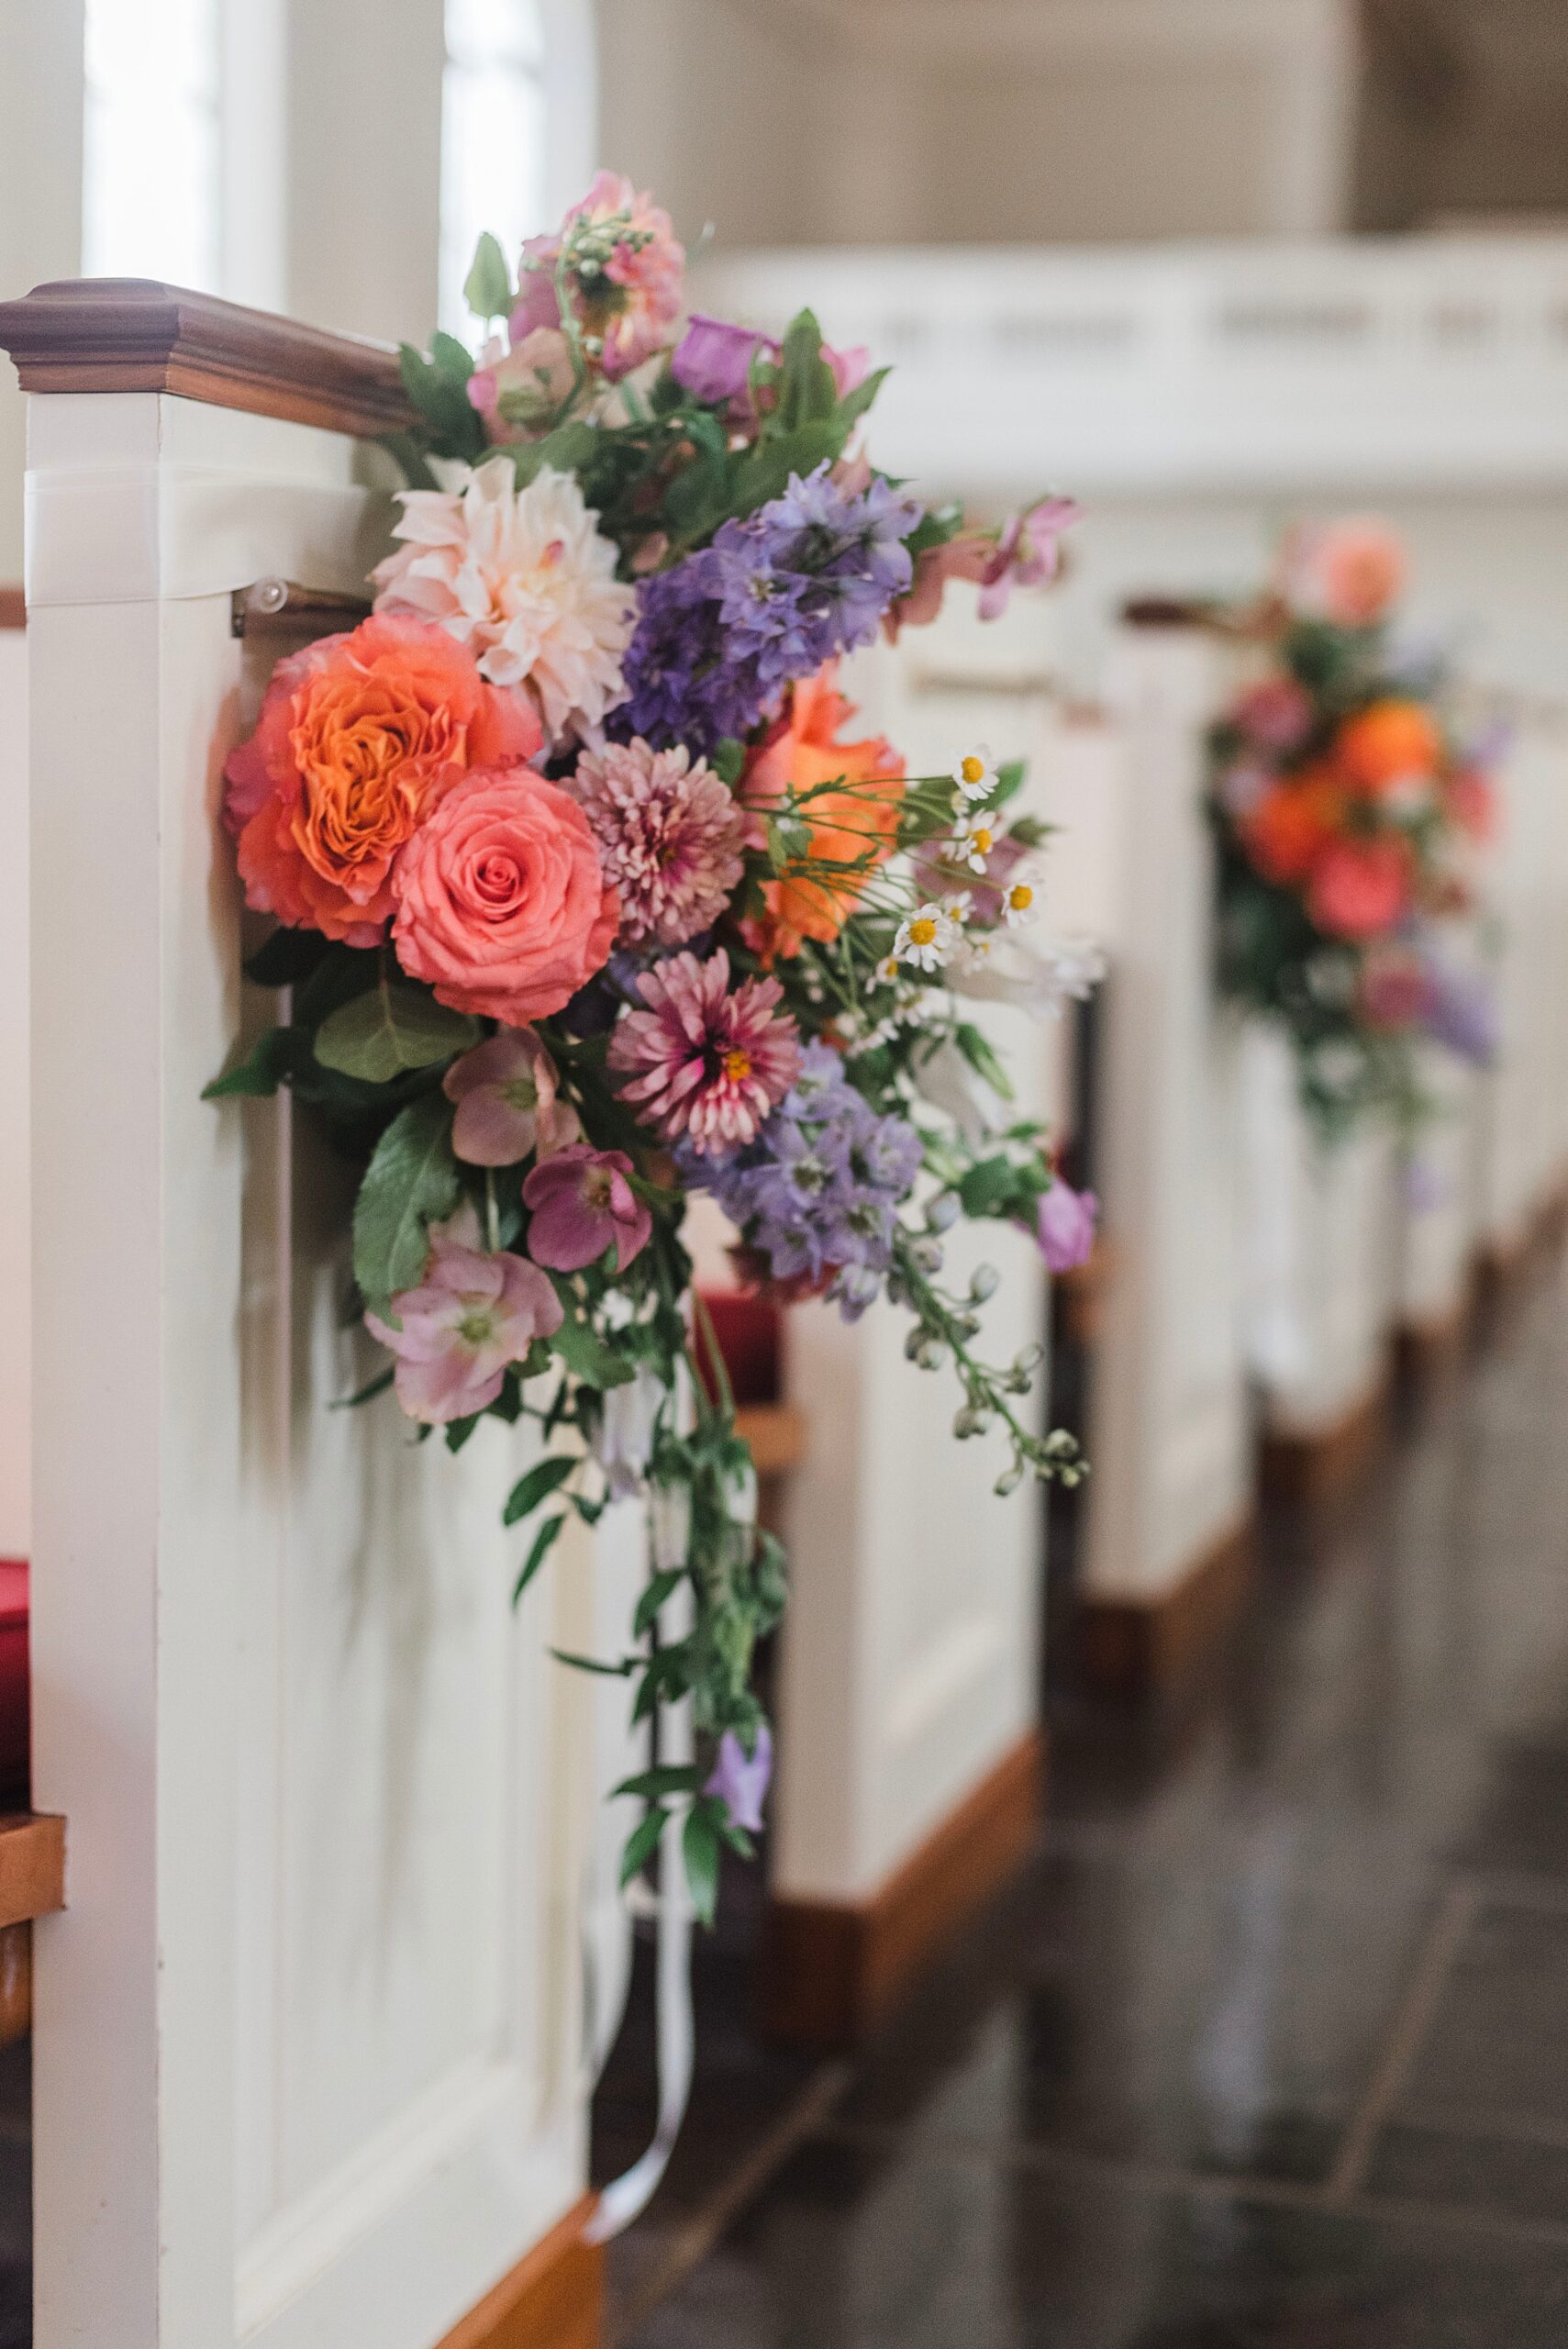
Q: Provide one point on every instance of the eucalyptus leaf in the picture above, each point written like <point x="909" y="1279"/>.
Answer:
<point x="396" y="1026"/>
<point x="410" y="1182"/>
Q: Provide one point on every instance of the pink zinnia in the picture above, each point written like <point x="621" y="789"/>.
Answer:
<point x="580" y="1199"/>
<point x="702" y="1062"/>
<point x="470" y="1317"/>
<point x="670" y="835"/>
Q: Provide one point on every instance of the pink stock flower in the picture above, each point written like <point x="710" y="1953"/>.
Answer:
<point x="701" y="1062"/>
<point x="1028" y="554"/>
<point x="471" y="1317"/>
<point x="506" y="1092"/>
<point x="625" y="302"/>
<point x="670" y="837"/>
<point x="580" y="1201"/>
<point x="1065" y="1227"/>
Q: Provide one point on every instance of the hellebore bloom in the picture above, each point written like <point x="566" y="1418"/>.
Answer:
<point x="1028" y="552"/>
<point x="1066" y="1225"/>
<point x="580" y="1201"/>
<point x="623" y="1440"/>
<point x="507" y="1104"/>
<point x="470" y="1317"/>
<point x="740" y="1780"/>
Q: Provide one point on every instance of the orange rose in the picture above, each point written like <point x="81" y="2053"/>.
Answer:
<point x="1293" y="823"/>
<point x="856" y="829"/>
<point x="1385" y="743"/>
<point x="359" y="738"/>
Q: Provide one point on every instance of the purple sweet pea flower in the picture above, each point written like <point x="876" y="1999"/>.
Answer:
<point x="1461" y="1012"/>
<point x="741" y="1781"/>
<point x="713" y="359"/>
<point x="580" y="1201"/>
<point x="1065" y="1228"/>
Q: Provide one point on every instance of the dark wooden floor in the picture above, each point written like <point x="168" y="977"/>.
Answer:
<point x="1269" y="2049"/>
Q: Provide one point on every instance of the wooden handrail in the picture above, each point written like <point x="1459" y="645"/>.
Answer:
<point x="131" y="334"/>
<point x="32" y="1865"/>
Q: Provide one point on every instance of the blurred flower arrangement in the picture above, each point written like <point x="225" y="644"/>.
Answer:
<point x="1349" y="818"/>
<point x="588" y="898"/>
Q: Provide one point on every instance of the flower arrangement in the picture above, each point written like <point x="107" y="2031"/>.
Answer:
<point x="1348" y="816"/>
<point x="589" y="898"/>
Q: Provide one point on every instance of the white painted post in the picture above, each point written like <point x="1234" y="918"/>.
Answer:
<point x="15" y="1205"/>
<point x="1168" y="1435"/>
<point x="309" y="2063"/>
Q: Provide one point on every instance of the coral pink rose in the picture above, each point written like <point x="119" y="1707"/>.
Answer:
<point x="1350" y="573"/>
<point x="501" y="903"/>
<point x="1359" y="888"/>
<point x="359" y="738"/>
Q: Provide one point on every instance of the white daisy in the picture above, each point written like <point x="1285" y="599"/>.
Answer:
<point x="975" y="833"/>
<point x="885" y="973"/>
<point x="975" y="774"/>
<point x="524" y="579"/>
<point x="1019" y="906"/>
<point x="927" y="938"/>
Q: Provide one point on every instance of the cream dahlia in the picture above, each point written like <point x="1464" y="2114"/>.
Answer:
<point x="524" y="579"/>
<point x="700" y="1063"/>
<point x="670" y="835"/>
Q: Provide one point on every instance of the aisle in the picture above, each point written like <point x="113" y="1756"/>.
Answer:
<point x="1268" y="2052"/>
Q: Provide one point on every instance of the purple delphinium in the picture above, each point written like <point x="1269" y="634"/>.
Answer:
<point x="808" y="575"/>
<point x="741" y="1779"/>
<point x="818" y="1189"/>
<point x="1461" y="1011"/>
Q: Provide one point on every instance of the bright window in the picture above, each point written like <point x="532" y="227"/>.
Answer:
<point x="151" y="179"/>
<point x="492" y="139"/>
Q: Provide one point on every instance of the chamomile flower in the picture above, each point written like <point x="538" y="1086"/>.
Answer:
<point x="957" y="905"/>
<point x="975" y="774"/>
<point x="885" y="973"/>
<point x="975" y="834"/>
<point x="1018" y="907"/>
<point x="926" y="937"/>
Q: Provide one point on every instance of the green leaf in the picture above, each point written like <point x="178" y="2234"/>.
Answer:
<point x="287" y="957"/>
<point x="728" y="759"/>
<point x="660" y="1587"/>
<point x="457" y="1431"/>
<point x="671" y="1779"/>
<point x="410" y="1182"/>
<point x="853" y="404"/>
<point x="622" y="1671"/>
<point x="543" y="1543"/>
<point x="988" y="1186"/>
<point x="487" y="288"/>
<point x="699" y="1849"/>
<point x="588" y="1357"/>
<point x="642" y="1844"/>
<point x="396" y="1026"/>
<point x="1009" y="781"/>
<point x="260" y="1072"/>
<point x="366" y="1393"/>
<point x="450" y="359"/>
<point x="977" y="1049"/>
<point x="546" y="1476"/>
<point x="569" y="448"/>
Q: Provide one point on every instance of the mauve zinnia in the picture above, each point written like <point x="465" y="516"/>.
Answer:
<point x="670" y="835"/>
<point x="700" y="1062"/>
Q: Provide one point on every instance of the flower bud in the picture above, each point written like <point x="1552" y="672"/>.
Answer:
<point x="984" y="1283"/>
<point x="970" y="1421"/>
<point x="1008" y="1481"/>
<point x="927" y="1255"/>
<point x="943" y="1211"/>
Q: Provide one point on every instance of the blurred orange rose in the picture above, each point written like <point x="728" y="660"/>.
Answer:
<point x="854" y="829"/>
<point x="1291" y="824"/>
<point x="1387" y="742"/>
